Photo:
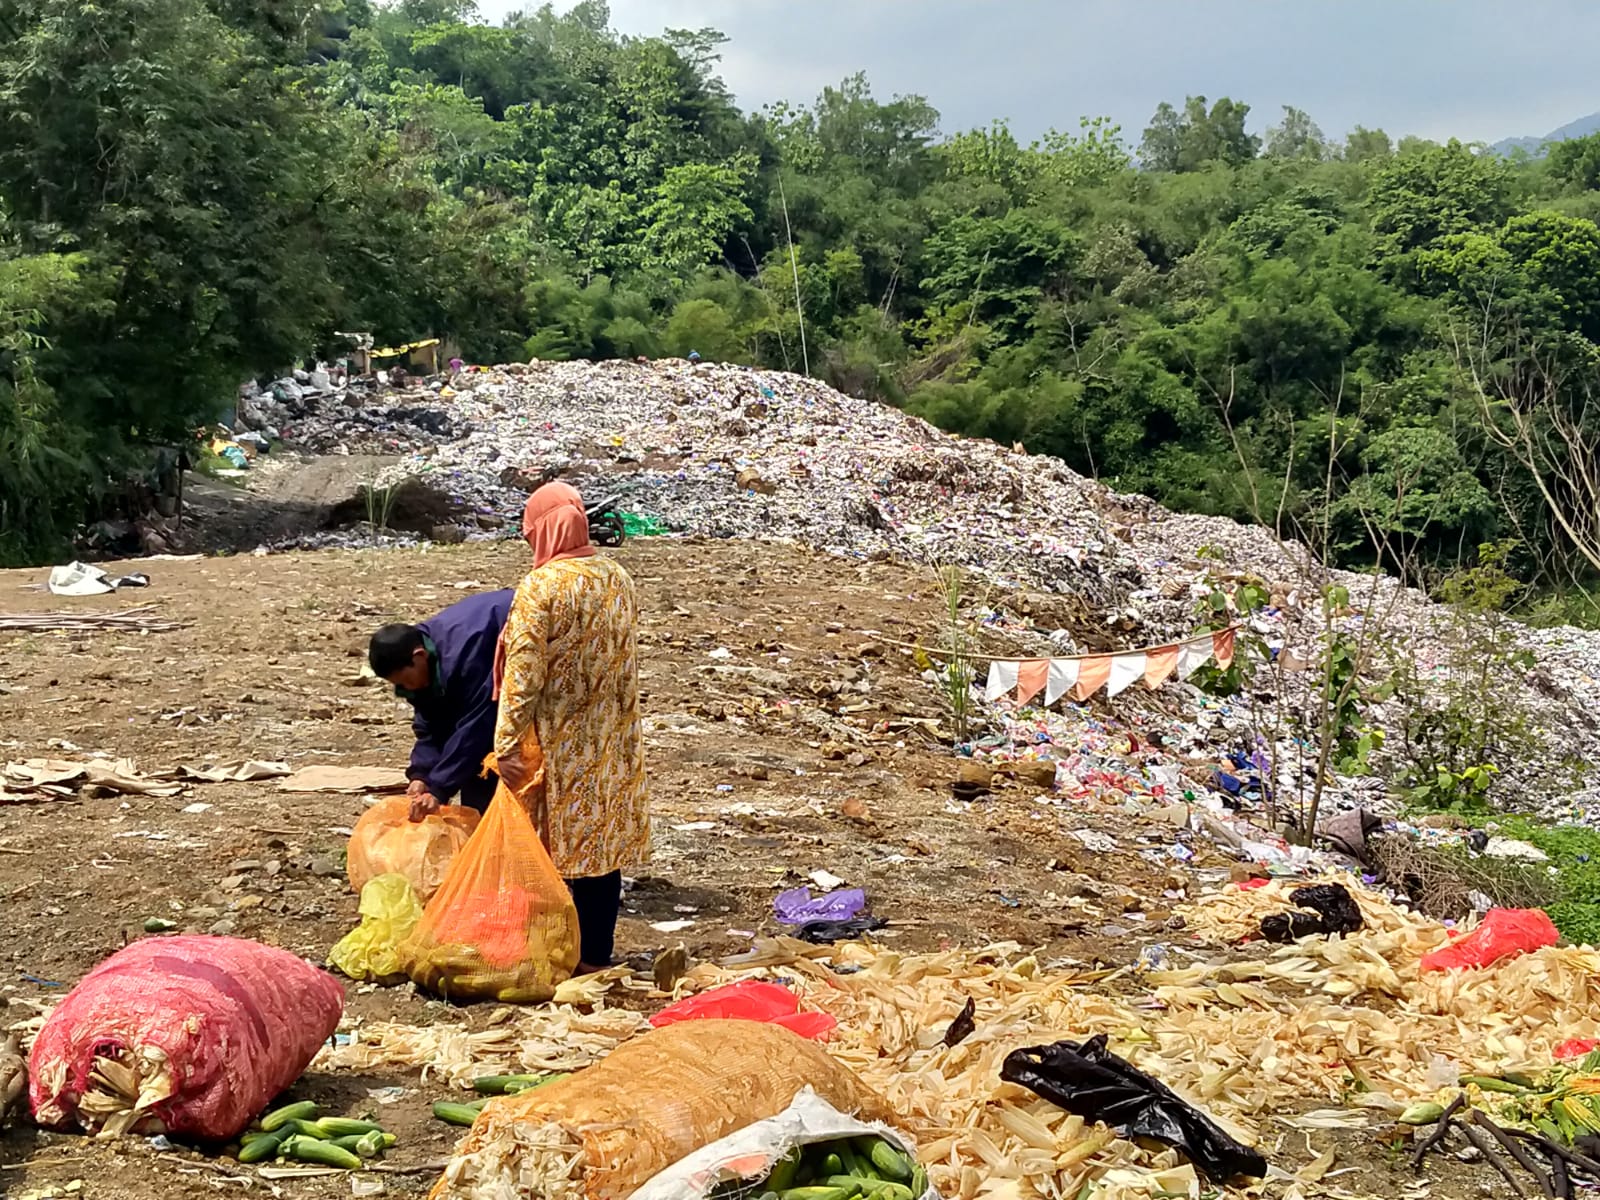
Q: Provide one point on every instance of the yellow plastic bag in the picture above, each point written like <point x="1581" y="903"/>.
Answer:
<point x="389" y="913"/>
<point x="386" y="840"/>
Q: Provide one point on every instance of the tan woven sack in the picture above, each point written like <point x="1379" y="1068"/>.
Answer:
<point x="608" y="1130"/>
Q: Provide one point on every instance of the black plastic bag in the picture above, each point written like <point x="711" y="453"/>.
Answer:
<point x="825" y="933"/>
<point x="1335" y="911"/>
<point x="1088" y="1080"/>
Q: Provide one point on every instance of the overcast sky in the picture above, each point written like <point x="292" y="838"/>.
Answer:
<point x="1474" y="69"/>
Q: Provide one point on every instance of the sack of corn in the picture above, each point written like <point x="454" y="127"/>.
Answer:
<point x="610" y="1129"/>
<point x="186" y="1035"/>
<point x="502" y="925"/>
<point x="386" y="841"/>
<point x="809" y="1151"/>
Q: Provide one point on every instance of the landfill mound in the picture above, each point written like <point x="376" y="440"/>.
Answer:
<point x="730" y="452"/>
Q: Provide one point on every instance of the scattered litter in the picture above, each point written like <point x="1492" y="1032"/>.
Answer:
<point x="798" y="906"/>
<point x="826" y="880"/>
<point x="1092" y="839"/>
<point x="1086" y="1079"/>
<point x="1503" y="932"/>
<point x="672" y="926"/>
<point x="345" y="779"/>
<point x="1332" y="910"/>
<point x="85" y="579"/>
<point x="752" y="1000"/>
<point x="825" y="933"/>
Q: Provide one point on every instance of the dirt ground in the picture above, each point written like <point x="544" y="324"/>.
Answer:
<point x="784" y="737"/>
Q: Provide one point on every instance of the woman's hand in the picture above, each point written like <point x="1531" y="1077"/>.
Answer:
<point x="513" y="771"/>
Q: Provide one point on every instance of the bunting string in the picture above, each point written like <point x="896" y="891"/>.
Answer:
<point x="1082" y="675"/>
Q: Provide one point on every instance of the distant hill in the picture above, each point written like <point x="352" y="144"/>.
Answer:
<point x="1582" y="127"/>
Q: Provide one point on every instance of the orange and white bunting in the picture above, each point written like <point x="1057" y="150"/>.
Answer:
<point x="1082" y="675"/>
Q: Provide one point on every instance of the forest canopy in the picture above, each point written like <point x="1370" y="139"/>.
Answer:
<point x="195" y="192"/>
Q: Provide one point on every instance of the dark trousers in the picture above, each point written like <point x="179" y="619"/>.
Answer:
<point x="598" y="899"/>
<point x="476" y="793"/>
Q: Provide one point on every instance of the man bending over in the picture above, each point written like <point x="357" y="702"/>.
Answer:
<point x="444" y="667"/>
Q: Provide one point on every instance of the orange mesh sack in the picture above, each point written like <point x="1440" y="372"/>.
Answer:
<point x="501" y="926"/>
<point x="606" y="1131"/>
<point x="386" y="841"/>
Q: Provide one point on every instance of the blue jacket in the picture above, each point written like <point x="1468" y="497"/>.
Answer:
<point x="455" y="717"/>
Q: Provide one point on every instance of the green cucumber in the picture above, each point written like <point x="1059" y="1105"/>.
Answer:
<point x="263" y="1146"/>
<point x="372" y="1145"/>
<point x="456" y="1114"/>
<point x="300" y="1110"/>
<point x="506" y="1085"/>
<point x="891" y="1164"/>
<point x="338" y="1127"/>
<point x="323" y="1153"/>
<point x="783" y="1172"/>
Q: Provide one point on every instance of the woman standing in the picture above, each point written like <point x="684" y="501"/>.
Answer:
<point x="568" y="740"/>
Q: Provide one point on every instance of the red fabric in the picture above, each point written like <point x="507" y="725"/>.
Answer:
<point x="1503" y="932"/>
<point x="751" y="1000"/>
<point x="555" y="525"/>
<point x="238" y="1022"/>
<point x="1575" y="1048"/>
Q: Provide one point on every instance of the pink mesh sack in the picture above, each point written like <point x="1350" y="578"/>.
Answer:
<point x="187" y="1035"/>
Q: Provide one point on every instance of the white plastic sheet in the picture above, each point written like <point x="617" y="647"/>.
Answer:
<point x="751" y="1152"/>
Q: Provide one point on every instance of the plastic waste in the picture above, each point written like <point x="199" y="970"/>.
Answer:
<point x="797" y="906"/>
<point x="387" y="841"/>
<point x="825" y="933"/>
<point x="750" y="1000"/>
<point x="1574" y="1048"/>
<point x="1087" y="1079"/>
<point x="1501" y="933"/>
<point x="390" y="911"/>
<point x="1333" y="910"/>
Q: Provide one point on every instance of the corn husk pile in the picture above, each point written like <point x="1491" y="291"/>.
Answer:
<point x="516" y="1040"/>
<point x="123" y="1086"/>
<point x="1339" y="1030"/>
<point x="1336" y="1026"/>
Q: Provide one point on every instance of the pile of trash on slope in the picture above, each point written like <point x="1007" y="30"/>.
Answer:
<point x="723" y="451"/>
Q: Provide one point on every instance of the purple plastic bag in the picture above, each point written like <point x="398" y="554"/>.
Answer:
<point x="798" y="907"/>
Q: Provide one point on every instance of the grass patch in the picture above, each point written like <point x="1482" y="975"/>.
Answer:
<point x="1574" y="852"/>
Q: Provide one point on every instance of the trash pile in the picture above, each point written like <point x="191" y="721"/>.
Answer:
<point x="721" y="451"/>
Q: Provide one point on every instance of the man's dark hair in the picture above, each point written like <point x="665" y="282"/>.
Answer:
<point x="392" y="648"/>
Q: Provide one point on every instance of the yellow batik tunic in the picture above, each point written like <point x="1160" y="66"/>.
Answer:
<point x="571" y="694"/>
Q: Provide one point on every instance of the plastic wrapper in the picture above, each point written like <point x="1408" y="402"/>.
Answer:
<point x="609" y="1130"/>
<point x="752" y="1152"/>
<point x="749" y="1000"/>
<point x="1097" y="1085"/>
<point x="386" y="841"/>
<point x="389" y="914"/>
<point x="1501" y="933"/>
<point x="502" y="925"/>
<point x="191" y="1036"/>
<point x="798" y="906"/>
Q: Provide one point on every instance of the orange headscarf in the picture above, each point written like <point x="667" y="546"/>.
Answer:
<point x="555" y="526"/>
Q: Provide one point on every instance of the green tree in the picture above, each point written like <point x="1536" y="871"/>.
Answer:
<point x="1189" y="140"/>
